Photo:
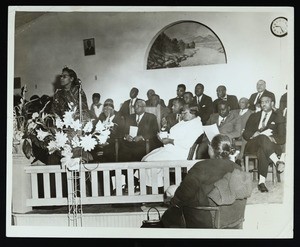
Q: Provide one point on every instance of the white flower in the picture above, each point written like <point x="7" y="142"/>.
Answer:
<point x="42" y="134"/>
<point x="88" y="127"/>
<point x="35" y="115"/>
<point x="100" y="126"/>
<point x="52" y="147"/>
<point x="103" y="136"/>
<point x="59" y="123"/>
<point x="76" y="125"/>
<point x="61" y="139"/>
<point x="88" y="142"/>
<point x="68" y="118"/>
<point x="75" y="142"/>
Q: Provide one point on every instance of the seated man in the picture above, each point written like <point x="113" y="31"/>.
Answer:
<point x="265" y="133"/>
<point x="255" y="98"/>
<point x="168" y="121"/>
<point x="204" y="103"/>
<point x="133" y="148"/>
<point x="243" y="112"/>
<point x="177" y="144"/>
<point x="223" y="96"/>
<point x="227" y="124"/>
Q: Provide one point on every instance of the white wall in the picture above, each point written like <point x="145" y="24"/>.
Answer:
<point x="122" y="40"/>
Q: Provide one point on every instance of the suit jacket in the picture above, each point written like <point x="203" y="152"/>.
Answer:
<point x="124" y="111"/>
<point x="276" y="123"/>
<point x="244" y="118"/>
<point x="231" y="100"/>
<point x="195" y="187"/>
<point x="253" y="97"/>
<point x="205" y="107"/>
<point x="231" y="127"/>
<point x="170" y="104"/>
<point x="148" y="126"/>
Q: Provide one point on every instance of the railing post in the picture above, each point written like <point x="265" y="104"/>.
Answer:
<point x="21" y="184"/>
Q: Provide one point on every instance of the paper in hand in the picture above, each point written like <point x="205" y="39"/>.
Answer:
<point x="133" y="131"/>
<point x="211" y="131"/>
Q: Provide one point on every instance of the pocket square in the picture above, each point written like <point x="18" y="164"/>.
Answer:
<point x="203" y="105"/>
<point x="272" y="122"/>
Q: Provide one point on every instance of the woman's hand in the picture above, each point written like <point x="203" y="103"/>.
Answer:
<point x="138" y="138"/>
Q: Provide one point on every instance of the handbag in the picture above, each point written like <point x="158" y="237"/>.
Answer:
<point x="153" y="223"/>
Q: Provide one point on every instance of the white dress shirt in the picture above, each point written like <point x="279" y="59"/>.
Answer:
<point x="262" y="117"/>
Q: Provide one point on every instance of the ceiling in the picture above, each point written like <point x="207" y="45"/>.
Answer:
<point x="26" y="17"/>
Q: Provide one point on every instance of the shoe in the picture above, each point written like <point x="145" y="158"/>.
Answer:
<point x="280" y="166"/>
<point x="262" y="188"/>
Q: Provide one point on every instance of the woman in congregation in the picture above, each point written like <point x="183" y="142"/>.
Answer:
<point x="69" y="93"/>
<point x="197" y="188"/>
<point x="178" y="143"/>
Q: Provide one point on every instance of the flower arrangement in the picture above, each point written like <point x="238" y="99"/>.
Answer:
<point x="69" y="138"/>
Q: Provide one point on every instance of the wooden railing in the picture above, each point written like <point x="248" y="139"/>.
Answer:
<point x="50" y="185"/>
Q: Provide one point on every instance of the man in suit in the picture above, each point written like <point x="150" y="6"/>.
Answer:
<point x="151" y="92"/>
<point x="227" y="124"/>
<point x="204" y="103"/>
<point x="265" y="133"/>
<point x="127" y="107"/>
<point x="134" y="147"/>
<point x="180" y="91"/>
<point x="223" y="96"/>
<point x="168" y="121"/>
<point x="255" y="98"/>
<point x="243" y="112"/>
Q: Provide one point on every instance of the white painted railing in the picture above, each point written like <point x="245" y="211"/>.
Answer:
<point x="95" y="182"/>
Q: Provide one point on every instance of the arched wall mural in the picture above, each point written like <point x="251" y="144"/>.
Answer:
<point x="185" y="43"/>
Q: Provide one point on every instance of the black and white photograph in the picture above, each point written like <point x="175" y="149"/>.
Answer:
<point x="89" y="47"/>
<point x="181" y="122"/>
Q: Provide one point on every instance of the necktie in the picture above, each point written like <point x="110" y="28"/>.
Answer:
<point x="131" y="109"/>
<point x="198" y="100"/>
<point x="138" y="120"/>
<point x="263" y="124"/>
<point x="257" y="98"/>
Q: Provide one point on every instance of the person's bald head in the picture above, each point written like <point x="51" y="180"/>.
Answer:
<point x="243" y="103"/>
<point x="260" y="86"/>
<point x="139" y="107"/>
